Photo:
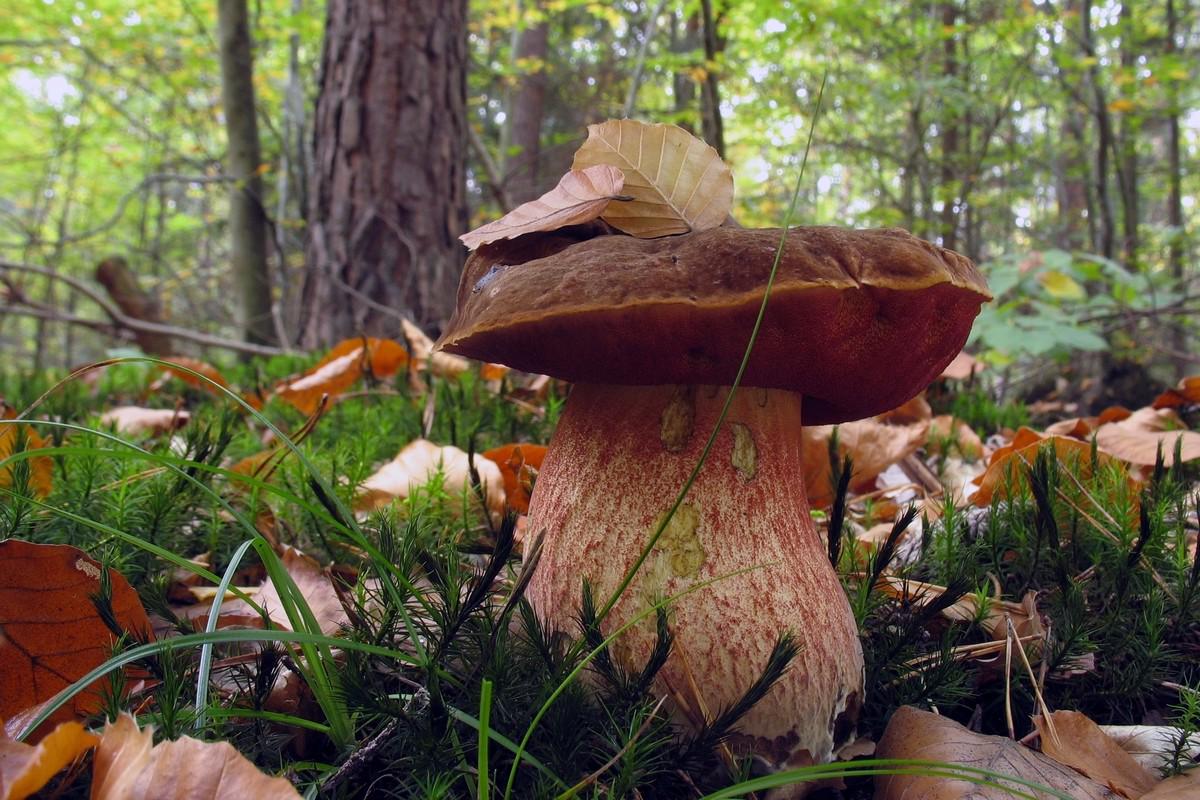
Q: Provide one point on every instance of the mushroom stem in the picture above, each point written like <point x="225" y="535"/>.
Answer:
<point x="616" y="463"/>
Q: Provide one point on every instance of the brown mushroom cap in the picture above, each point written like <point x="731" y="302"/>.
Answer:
<point x="858" y="322"/>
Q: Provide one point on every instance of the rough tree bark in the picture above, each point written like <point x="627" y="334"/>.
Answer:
<point x="247" y="218"/>
<point x="711" y="123"/>
<point x="1104" y="134"/>
<point x="387" y="195"/>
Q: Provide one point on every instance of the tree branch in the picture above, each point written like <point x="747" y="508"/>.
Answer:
<point x="123" y="321"/>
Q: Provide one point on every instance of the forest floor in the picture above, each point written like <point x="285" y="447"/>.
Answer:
<point x="313" y="568"/>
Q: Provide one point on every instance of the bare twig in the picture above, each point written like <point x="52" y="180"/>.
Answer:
<point x="121" y="320"/>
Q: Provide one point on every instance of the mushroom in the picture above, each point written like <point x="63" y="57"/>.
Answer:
<point x="652" y="332"/>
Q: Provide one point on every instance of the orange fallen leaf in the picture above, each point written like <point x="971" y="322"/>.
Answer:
<point x="1073" y="739"/>
<point x="52" y="633"/>
<point x="341" y="368"/>
<point x="1186" y="393"/>
<point x="518" y="464"/>
<point x="580" y="196"/>
<point x="129" y="766"/>
<point x="208" y="371"/>
<point x="915" y="734"/>
<point x="947" y="434"/>
<point x="442" y="364"/>
<point x="1008" y="464"/>
<point x="40" y="467"/>
<point x="136" y="421"/>
<point x="417" y="463"/>
<point x="25" y="769"/>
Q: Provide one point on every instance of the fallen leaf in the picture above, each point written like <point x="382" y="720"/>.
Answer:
<point x="519" y="464"/>
<point x="52" y="633"/>
<point x="915" y="734"/>
<point x="314" y="584"/>
<point x="1180" y="787"/>
<point x="444" y="365"/>
<point x="129" y="766"/>
<point x="341" y="368"/>
<point x="417" y="463"/>
<point x="678" y="183"/>
<point x="137" y="421"/>
<point x="580" y="196"/>
<point x="962" y="367"/>
<point x="993" y="618"/>
<point x="948" y="434"/>
<point x="1009" y="464"/>
<point x="1072" y="738"/>
<point x="25" y="769"/>
<point x="1186" y="393"/>
<point x="1152" y="745"/>
<point x="41" y="468"/>
<point x="1138" y="438"/>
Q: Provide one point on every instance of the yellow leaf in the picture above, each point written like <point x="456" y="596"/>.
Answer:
<point x="25" y="769"/>
<point x="677" y="182"/>
<point x="1061" y="286"/>
<point x="1121" y="105"/>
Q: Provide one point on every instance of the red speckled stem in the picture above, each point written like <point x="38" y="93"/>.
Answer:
<point x="615" y="466"/>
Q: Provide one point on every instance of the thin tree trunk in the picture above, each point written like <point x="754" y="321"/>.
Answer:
<point x="639" y="69"/>
<point x="1130" y="126"/>
<point x="1176" y="252"/>
<point x="951" y="130"/>
<point x="1104" y="135"/>
<point x="388" y="190"/>
<point x="247" y="219"/>
<point x="528" y="108"/>
<point x="711" y="124"/>
<point x="683" y="85"/>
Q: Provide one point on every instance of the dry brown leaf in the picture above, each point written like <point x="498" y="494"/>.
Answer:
<point x="1137" y="438"/>
<point x="1024" y="615"/>
<point x="25" y="769"/>
<point x="915" y="734"/>
<point x="444" y="365"/>
<point x="1186" y="393"/>
<point x="341" y="368"/>
<point x="678" y="183"/>
<point x="1180" y="787"/>
<point x="949" y="434"/>
<point x="962" y="367"/>
<point x="41" y="468"/>
<point x="52" y="633"/>
<point x="1008" y="464"/>
<point x="136" y="421"/>
<point x="580" y="196"/>
<point x="1152" y="745"/>
<point x="1073" y="739"/>
<point x="874" y="445"/>
<point x="417" y="463"/>
<point x="129" y="766"/>
<point x="518" y="464"/>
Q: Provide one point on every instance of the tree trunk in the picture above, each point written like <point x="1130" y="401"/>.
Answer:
<point x="711" y="124"/>
<point x="1176" y="255"/>
<point x="1104" y="136"/>
<point x="247" y="219"/>
<point x="388" y="192"/>
<point x="528" y="105"/>
<point x="1130" y="127"/>
<point x="950" y="131"/>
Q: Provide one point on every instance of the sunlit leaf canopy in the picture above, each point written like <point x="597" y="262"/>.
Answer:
<point x="113" y="139"/>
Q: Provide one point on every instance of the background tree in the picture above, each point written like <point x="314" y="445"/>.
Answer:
<point x="387" y="198"/>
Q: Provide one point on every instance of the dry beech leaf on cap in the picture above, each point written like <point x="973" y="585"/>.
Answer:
<point x="580" y="196"/>
<point x="417" y="463"/>
<point x="129" y="766"/>
<point x="1136" y="439"/>
<point x="25" y="769"/>
<point x="1073" y="739"/>
<point x="341" y="368"/>
<point x="915" y="734"/>
<point x="137" y="421"/>
<point x="52" y="633"/>
<point x="678" y="183"/>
